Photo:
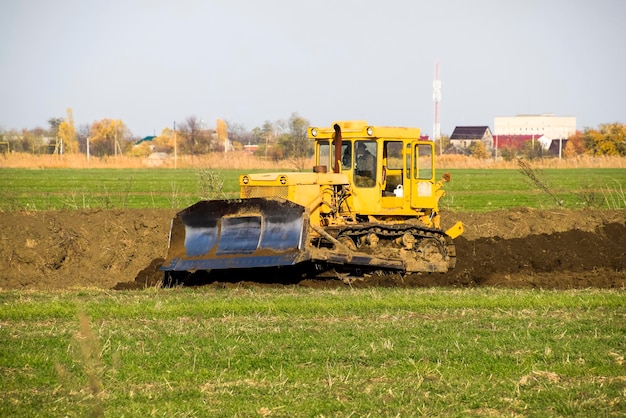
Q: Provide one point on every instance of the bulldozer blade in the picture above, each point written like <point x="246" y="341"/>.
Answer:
<point x="237" y="233"/>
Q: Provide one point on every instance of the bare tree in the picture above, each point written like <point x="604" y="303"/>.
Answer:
<point x="302" y="146"/>
<point x="82" y="133"/>
<point x="237" y="133"/>
<point x="54" y="126"/>
<point x="194" y="138"/>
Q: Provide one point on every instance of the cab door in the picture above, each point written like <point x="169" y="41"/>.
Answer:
<point x="422" y="174"/>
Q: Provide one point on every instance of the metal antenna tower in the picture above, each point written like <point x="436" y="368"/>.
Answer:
<point x="437" y="101"/>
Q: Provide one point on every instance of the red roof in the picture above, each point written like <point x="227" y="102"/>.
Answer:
<point x="512" y="141"/>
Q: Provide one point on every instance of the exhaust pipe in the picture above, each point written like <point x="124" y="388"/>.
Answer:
<point x="337" y="142"/>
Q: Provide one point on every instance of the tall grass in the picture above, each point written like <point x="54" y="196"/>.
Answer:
<point x="614" y="195"/>
<point x="246" y="161"/>
<point x="231" y="160"/>
<point x="581" y="161"/>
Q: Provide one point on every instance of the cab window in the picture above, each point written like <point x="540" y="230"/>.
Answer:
<point x="346" y="155"/>
<point x="423" y="162"/>
<point x="393" y="153"/>
<point x="365" y="163"/>
<point x="323" y="153"/>
<point x="408" y="161"/>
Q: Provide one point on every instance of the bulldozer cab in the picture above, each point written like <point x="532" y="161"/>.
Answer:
<point x="391" y="170"/>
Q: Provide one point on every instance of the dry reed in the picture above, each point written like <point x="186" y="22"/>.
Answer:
<point x="246" y="161"/>
<point x="581" y="161"/>
<point x="231" y="160"/>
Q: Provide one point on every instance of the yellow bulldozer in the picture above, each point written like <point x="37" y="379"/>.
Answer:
<point x="370" y="203"/>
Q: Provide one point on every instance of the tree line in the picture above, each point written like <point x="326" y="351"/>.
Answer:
<point x="280" y="139"/>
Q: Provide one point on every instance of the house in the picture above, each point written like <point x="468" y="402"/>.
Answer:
<point x="515" y="142"/>
<point x="548" y="146"/>
<point x="464" y="136"/>
<point x="251" y="149"/>
<point x="145" y="139"/>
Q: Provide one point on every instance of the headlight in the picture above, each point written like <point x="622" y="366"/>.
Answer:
<point x="245" y="179"/>
<point x="283" y="180"/>
<point x="314" y="132"/>
<point x="370" y="131"/>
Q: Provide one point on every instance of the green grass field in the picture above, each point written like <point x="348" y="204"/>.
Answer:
<point x="303" y="352"/>
<point x="482" y="190"/>
<point x="470" y="189"/>
<point x="104" y="188"/>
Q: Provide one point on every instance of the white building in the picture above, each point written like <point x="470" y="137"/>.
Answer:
<point x="546" y="125"/>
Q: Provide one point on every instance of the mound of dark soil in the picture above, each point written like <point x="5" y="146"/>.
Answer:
<point x="123" y="248"/>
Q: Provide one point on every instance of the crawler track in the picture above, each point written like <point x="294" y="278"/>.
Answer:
<point x="426" y="246"/>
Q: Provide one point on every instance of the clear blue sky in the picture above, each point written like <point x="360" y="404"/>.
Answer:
<point x="150" y="62"/>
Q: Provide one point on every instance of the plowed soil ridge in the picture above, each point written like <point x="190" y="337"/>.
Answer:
<point x="47" y="250"/>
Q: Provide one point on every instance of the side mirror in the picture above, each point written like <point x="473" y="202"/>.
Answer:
<point x="446" y="177"/>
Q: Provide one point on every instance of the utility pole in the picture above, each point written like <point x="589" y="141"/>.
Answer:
<point x="175" y="147"/>
<point x="496" y="149"/>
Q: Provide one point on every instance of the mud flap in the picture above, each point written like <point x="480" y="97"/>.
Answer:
<point x="238" y="233"/>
